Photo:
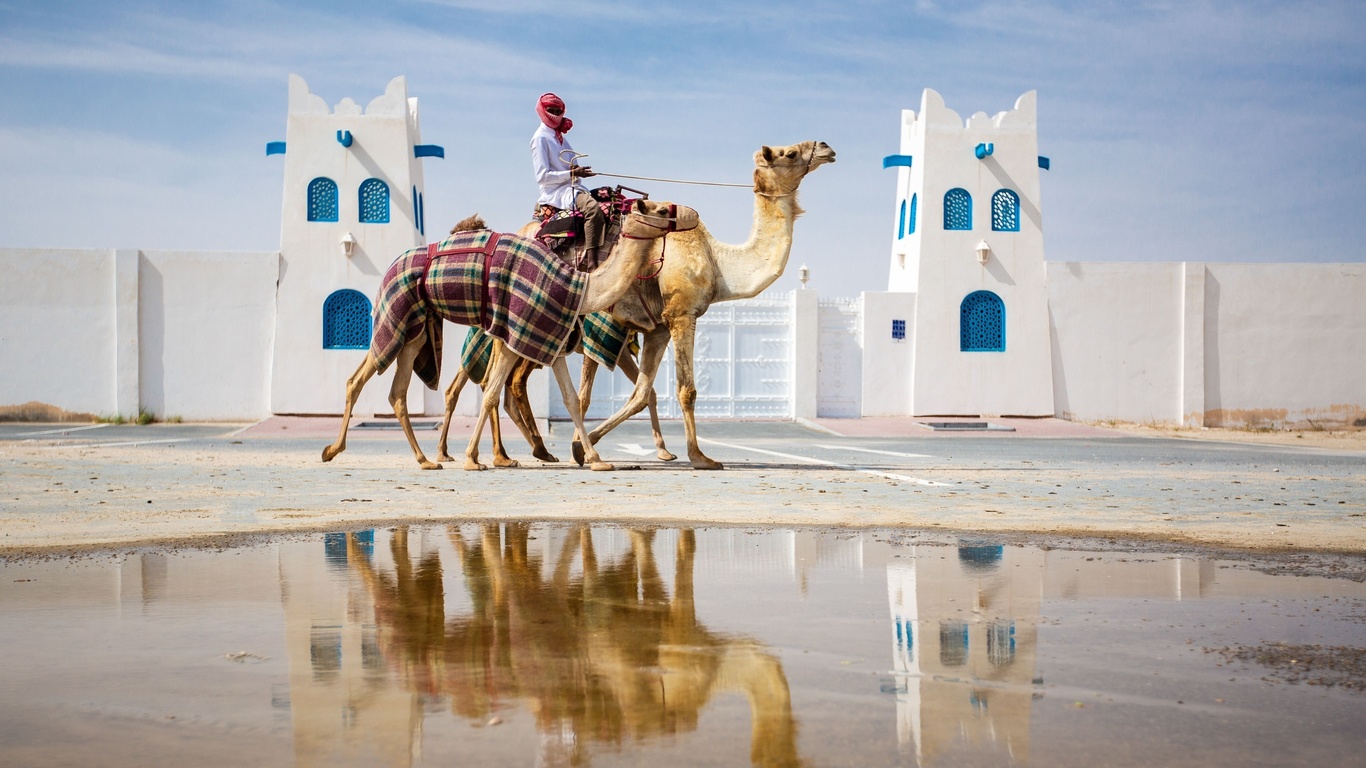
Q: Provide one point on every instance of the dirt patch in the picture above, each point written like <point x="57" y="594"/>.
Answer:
<point x="1342" y="439"/>
<point x="1331" y="666"/>
<point x="42" y="413"/>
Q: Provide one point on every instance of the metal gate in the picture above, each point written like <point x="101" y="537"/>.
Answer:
<point x="742" y="365"/>
<point x="839" y="382"/>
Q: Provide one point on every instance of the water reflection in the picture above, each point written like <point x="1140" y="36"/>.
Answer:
<point x="595" y="648"/>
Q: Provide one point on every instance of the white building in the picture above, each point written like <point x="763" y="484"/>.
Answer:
<point x="974" y="322"/>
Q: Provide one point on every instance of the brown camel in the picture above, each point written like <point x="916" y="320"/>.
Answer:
<point x="647" y="221"/>
<point x="700" y="271"/>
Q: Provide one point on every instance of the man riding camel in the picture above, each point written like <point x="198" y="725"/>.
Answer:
<point x="552" y="159"/>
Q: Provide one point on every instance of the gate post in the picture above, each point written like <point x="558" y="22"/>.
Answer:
<point x="805" y="353"/>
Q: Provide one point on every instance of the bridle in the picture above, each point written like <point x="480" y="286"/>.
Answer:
<point x="810" y="158"/>
<point x="672" y="220"/>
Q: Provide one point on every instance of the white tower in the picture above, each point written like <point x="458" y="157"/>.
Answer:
<point x="969" y="244"/>
<point x="353" y="201"/>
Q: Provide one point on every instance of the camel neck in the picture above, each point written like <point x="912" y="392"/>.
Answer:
<point x="747" y="269"/>
<point x="610" y="281"/>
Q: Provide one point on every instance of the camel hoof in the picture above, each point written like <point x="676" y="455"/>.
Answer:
<point x="506" y="463"/>
<point x="702" y="462"/>
<point x="444" y="457"/>
<point x="578" y="453"/>
<point x="544" y="455"/>
<point x="665" y="455"/>
<point x="601" y="466"/>
<point x="429" y="465"/>
<point x="330" y="452"/>
<point x="473" y="466"/>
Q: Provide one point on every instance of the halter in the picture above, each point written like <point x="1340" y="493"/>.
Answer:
<point x="672" y="218"/>
<point x="810" y="158"/>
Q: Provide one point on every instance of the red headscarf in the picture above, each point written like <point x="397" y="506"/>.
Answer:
<point x="557" y="123"/>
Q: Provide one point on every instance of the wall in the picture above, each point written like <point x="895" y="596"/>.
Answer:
<point x="115" y="332"/>
<point x="1116" y="331"/>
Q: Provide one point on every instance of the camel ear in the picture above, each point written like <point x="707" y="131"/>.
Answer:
<point x="640" y="206"/>
<point x="767" y="153"/>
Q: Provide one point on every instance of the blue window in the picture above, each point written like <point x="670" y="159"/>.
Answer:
<point x="1005" y="211"/>
<point x="899" y="330"/>
<point x="957" y="209"/>
<point x="374" y="202"/>
<point x="346" y="320"/>
<point x="901" y="223"/>
<point x="910" y="220"/>
<point x="982" y="323"/>
<point x="322" y="199"/>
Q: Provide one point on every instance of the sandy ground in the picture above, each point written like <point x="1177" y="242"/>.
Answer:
<point x="1330" y="439"/>
<point x="210" y="483"/>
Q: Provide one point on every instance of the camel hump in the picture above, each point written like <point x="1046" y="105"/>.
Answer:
<point x="469" y="224"/>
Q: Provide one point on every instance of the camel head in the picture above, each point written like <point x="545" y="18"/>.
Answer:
<point x="650" y="219"/>
<point x="778" y="170"/>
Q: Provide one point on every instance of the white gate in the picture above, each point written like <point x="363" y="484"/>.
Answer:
<point x="839" y="382"/>
<point x="742" y="365"/>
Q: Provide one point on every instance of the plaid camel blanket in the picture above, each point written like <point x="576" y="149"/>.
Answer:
<point x="512" y="287"/>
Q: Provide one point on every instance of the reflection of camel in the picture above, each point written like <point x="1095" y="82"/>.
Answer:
<point x="601" y="657"/>
<point x="700" y="271"/>
<point x="646" y="222"/>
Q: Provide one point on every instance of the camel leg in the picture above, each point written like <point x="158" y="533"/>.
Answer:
<point x="398" y="395"/>
<point x="452" y="396"/>
<point x="500" y="454"/>
<point x="571" y="404"/>
<point x="519" y="408"/>
<point x="499" y="368"/>
<point x="683" y="330"/>
<point x="628" y="367"/>
<point x="354" y="385"/>
<point x="654" y="344"/>
<point x="587" y="373"/>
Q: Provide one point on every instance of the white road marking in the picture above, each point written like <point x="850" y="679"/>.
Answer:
<point x="874" y="450"/>
<point x="123" y="444"/>
<point x="635" y="449"/>
<point x="64" y="430"/>
<point x="822" y="462"/>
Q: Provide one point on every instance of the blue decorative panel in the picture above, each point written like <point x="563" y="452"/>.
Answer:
<point x="346" y="320"/>
<point x="895" y="161"/>
<point x="1005" y="211"/>
<point x="1044" y="162"/>
<point x="429" y="150"/>
<point x="899" y="330"/>
<point x="275" y="148"/>
<point x="957" y="209"/>
<point x="982" y="323"/>
<point x="374" y="202"/>
<point x="910" y="220"/>
<point x="322" y="199"/>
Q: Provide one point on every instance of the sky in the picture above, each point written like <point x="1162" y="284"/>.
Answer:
<point x="1177" y="131"/>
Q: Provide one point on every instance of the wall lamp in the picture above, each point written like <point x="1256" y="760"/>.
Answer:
<point x="804" y="274"/>
<point x="348" y="244"/>
<point x="983" y="252"/>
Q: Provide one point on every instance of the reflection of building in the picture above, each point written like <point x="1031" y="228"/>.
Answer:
<point x="964" y="636"/>
<point x="345" y="704"/>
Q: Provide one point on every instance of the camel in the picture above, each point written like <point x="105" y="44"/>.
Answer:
<point x="700" y="271"/>
<point x="409" y="318"/>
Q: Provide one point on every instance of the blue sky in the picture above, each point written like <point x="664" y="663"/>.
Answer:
<point x="1177" y="130"/>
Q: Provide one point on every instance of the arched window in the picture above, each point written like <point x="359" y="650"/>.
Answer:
<point x="374" y="202"/>
<point x="910" y="220"/>
<point x="346" y="320"/>
<point x="957" y="209"/>
<point x="1005" y="211"/>
<point x="322" y="199"/>
<point x="1001" y="642"/>
<point x="901" y="223"/>
<point x="982" y="323"/>
<point x="953" y="643"/>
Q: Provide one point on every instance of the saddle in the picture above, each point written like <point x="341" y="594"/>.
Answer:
<point x="562" y="230"/>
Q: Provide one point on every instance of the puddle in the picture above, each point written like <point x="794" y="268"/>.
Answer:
<point x="560" y="645"/>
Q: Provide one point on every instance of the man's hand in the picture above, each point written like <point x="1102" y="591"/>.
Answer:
<point x="582" y="172"/>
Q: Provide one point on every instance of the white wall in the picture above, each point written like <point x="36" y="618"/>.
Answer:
<point x="58" y="329"/>
<point x="1116" y="331"/>
<point x="205" y="322"/>
<point x="1284" y="343"/>
<point x="887" y="364"/>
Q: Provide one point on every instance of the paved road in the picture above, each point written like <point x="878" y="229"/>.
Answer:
<point x="93" y="485"/>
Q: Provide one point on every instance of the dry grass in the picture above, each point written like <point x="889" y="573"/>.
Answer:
<point x="42" y="413"/>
